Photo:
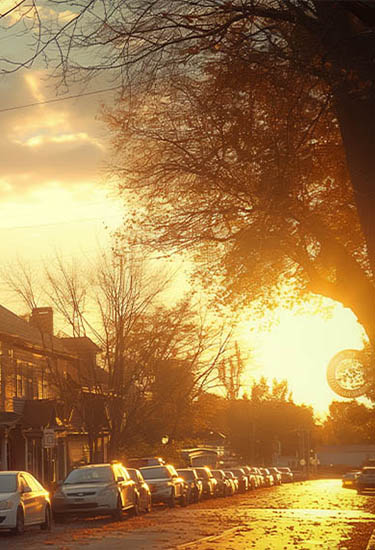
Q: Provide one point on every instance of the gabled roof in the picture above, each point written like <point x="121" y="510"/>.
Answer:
<point x="15" y="327"/>
<point x="40" y="413"/>
<point x="81" y="344"/>
<point x="8" y="418"/>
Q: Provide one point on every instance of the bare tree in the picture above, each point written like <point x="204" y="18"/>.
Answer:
<point x="146" y="347"/>
<point x="230" y="374"/>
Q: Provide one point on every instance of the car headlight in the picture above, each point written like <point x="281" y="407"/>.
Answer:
<point x="6" y="505"/>
<point x="108" y="491"/>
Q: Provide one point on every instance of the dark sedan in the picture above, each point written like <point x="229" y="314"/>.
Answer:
<point x="224" y="486"/>
<point x="243" y="482"/>
<point x="366" y="480"/>
<point x="208" y="480"/>
<point x="193" y="484"/>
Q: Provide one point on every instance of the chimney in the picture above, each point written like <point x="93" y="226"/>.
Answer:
<point x="42" y="319"/>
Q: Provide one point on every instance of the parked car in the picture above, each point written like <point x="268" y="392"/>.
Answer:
<point x="275" y="474"/>
<point x="233" y="479"/>
<point x="299" y="475"/>
<point x="268" y="478"/>
<point x="251" y="477"/>
<point x="243" y="483"/>
<point x="23" y="502"/>
<point x="208" y="480"/>
<point x="143" y="489"/>
<point x="350" y="479"/>
<point x="224" y="486"/>
<point x="286" y="474"/>
<point x="143" y="461"/>
<point x="96" y="489"/>
<point x="194" y="485"/>
<point x="165" y="485"/>
<point x="259" y="476"/>
<point x="366" y="479"/>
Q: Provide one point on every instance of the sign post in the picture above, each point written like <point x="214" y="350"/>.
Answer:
<point x="49" y="438"/>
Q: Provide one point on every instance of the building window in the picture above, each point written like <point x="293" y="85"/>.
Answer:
<point x="28" y="387"/>
<point x="19" y="388"/>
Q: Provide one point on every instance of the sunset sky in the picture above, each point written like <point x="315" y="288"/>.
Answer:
<point x="54" y="197"/>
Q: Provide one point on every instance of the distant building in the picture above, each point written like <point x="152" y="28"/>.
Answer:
<point x="39" y="431"/>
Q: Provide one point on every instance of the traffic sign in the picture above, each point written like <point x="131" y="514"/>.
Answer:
<point x="49" y="438"/>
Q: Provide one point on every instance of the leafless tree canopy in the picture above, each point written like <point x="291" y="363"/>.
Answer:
<point x="155" y="360"/>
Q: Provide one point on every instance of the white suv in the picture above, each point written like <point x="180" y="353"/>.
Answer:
<point x="165" y="484"/>
<point x="96" y="489"/>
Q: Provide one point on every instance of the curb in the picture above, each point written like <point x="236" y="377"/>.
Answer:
<point x="371" y="542"/>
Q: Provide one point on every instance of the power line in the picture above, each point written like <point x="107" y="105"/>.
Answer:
<point x="39" y="225"/>
<point x="83" y="94"/>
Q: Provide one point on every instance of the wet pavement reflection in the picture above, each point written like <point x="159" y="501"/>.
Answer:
<point x="311" y="515"/>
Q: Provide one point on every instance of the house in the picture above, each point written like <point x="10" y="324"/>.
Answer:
<point x="43" y="428"/>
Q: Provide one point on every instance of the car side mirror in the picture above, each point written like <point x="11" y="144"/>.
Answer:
<point x="26" y="490"/>
<point x="120" y="478"/>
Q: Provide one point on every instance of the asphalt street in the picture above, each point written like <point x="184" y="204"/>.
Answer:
<point x="310" y="515"/>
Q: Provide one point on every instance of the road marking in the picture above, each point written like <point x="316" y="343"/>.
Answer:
<point x="204" y="539"/>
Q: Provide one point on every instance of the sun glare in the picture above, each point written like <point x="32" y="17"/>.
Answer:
<point x="298" y="347"/>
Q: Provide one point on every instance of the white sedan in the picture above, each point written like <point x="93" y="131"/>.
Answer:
<point x="23" y="502"/>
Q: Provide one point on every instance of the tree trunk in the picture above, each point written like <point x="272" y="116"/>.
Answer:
<point x="356" y="117"/>
<point x="348" y="42"/>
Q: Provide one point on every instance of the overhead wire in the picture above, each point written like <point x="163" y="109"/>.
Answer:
<point x="58" y="99"/>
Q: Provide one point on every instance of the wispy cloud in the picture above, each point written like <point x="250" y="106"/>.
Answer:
<point x="55" y="142"/>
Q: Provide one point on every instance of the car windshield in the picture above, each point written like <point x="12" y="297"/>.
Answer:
<point x="8" y="483"/>
<point x="203" y="473"/>
<point x="186" y="474"/>
<point x="132" y="474"/>
<point x="101" y="474"/>
<point x="368" y="471"/>
<point x="155" y="473"/>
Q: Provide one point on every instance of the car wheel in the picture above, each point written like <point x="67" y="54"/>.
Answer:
<point x="46" y="525"/>
<point x="172" y="501"/>
<point x="149" y="506"/>
<point x="183" y="500"/>
<point x="134" y="511"/>
<point x="19" y="529"/>
<point x="117" y="514"/>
